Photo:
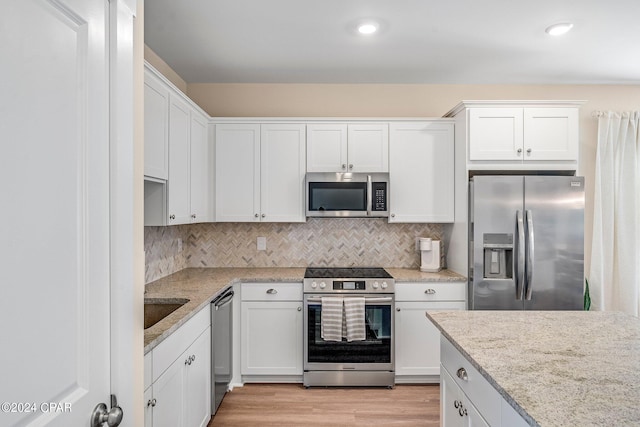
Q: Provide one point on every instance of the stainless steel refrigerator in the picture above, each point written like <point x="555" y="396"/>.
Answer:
<point x="526" y="249"/>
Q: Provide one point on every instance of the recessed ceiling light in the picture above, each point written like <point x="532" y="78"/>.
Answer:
<point x="559" y="29"/>
<point x="368" y="27"/>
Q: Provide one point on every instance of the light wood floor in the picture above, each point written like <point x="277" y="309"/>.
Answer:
<point x="293" y="405"/>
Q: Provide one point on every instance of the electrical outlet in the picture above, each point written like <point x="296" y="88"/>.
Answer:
<point x="262" y="243"/>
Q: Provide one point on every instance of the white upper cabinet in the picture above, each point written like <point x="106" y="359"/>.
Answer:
<point x="282" y="170"/>
<point x="260" y="172"/>
<point x="520" y="135"/>
<point x="550" y="134"/>
<point x="352" y="147"/>
<point x="200" y="170"/>
<point x="178" y="194"/>
<point x="421" y="172"/>
<point x="156" y="119"/>
<point x="176" y="139"/>
<point x="237" y="169"/>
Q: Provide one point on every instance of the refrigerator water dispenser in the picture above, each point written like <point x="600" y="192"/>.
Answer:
<point x="498" y="256"/>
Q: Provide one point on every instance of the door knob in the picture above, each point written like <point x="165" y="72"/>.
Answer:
<point x="113" y="417"/>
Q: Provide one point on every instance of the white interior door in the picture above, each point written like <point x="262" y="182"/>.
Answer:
<point x="54" y="179"/>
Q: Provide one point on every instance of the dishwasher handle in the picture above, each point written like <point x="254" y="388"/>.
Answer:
<point x="223" y="299"/>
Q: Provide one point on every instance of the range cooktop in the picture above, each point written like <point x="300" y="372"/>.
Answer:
<point x="346" y="273"/>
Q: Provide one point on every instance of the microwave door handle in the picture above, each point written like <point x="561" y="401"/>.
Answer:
<point x="369" y="199"/>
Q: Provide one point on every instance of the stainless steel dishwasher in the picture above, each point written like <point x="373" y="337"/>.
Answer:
<point x="221" y="361"/>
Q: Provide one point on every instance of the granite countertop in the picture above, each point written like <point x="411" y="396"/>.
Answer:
<point x="201" y="285"/>
<point x="567" y="368"/>
<point x="415" y="275"/>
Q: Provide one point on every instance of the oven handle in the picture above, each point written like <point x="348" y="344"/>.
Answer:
<point x="366" y="299"/>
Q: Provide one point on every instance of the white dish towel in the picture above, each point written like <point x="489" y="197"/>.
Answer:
<point x="331" y="319"/>
<point x="354" y="315"/>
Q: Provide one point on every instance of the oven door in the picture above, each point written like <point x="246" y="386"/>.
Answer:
<point x="375" y="353"/>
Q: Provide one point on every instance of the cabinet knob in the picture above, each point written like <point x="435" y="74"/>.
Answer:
<point x="272" y="291"/>
<point x="528" y="151"/>
<point x="519" y="151"/>
<point x="256" y="215"/>
<point x="172" y="217"/>
<point x="456" y="404"/>
<point x="430" y="291"/>
<point x="151" y="402"/>
<point x="344" y="166"/>
<point x="264" y="215"/>
<point x="397" y="309"/>
<point x="350" y="166"/>
<point x="462" y="374"/>
<point x="393" y="215"/>
<point x="193" y="216"/>
<point x="299" y="308"/>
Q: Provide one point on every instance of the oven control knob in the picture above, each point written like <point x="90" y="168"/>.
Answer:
<point x="314" y="285"/>
<point x="384" y="285"/>
<point x="375" y="285"/>
<point x="323" y="285"/>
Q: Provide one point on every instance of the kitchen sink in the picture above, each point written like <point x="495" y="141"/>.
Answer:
<point x="156" y="309"/>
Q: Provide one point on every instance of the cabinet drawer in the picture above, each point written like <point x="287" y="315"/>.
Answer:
<point x="485" y="398"/>
<point x="430" y="291"/>
<point x="271" y="292"/>
<point x="175" y="344"/>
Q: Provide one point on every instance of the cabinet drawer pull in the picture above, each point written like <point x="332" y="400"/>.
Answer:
<point x="151" y="402"/>
<point x="519" y="151"/>
<point x="299" y="308"/>
<point x="528" y="151"/>
<point x="430" y="291"/>
<point x="344" y="166"/>
<point x="462" y="374"/>
<point x="172" y="217"/>
<point x="456" y="404"/>
<point x="272" y="291"/>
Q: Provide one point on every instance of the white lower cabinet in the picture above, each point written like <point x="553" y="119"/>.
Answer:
<point x="467" y="398"/>
<point x="180" y="394"/>
<point x="417" y="342"/>
<point x="271" y="331"/>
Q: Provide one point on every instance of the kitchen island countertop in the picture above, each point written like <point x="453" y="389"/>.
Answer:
<point x="555" y="368"/>
<point x="201" y="285"/>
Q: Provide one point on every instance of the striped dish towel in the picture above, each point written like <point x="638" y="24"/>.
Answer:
<point x="354" y="314"/>
<point x="331" y="319"/>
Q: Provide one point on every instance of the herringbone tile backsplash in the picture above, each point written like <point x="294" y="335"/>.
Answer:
<point x="335" y="242"/>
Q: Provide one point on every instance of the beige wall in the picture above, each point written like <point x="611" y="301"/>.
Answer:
<point x="385" y="100"/>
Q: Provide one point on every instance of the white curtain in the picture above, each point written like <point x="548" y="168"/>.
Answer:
<point x="614" y="279"/>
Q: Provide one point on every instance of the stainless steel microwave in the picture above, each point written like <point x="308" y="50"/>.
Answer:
<point x="347" y="194"/>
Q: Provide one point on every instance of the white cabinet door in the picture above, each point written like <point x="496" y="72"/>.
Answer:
<point x="327" y="147"/>
<point x="271" y="338"/>
<point x="156" y="127"/>
<point x="237" y="171"/>
<point x="368" y="147"/>
<point x="199" y="166"/>
<point x="198" y="382"/>
<point x="417" y="339"/>
<point x="495" y="134"/>
<point x="455" y="407"/>
<point x="450" y="401"/>
<point x="178" y="193"/>
<point x="421" y="172"/>
<point x="551" y="134"/>
<point x="282" y="170"/>
<point x="168" y="391"/>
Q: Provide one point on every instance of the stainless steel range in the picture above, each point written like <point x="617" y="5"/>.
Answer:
<point x="367" y="361"/>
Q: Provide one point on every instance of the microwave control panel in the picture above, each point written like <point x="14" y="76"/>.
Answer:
<point x="379" y="195"/>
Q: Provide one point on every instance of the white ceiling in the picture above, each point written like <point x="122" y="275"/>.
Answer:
<point x="421" y="41"/>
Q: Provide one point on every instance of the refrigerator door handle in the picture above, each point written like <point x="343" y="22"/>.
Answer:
<point x="530" y="252"/>
<point x="520" y="256"/>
